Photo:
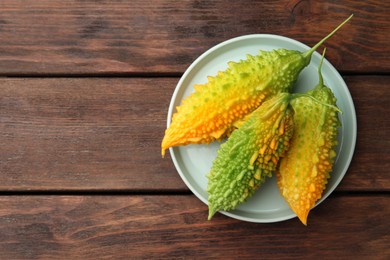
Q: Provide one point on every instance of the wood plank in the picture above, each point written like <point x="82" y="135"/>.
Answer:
<point x="85" y="134"/>
<point x="149" y="227"/>
<point x="371" y="160"/>
<point x="105" y="134"/>
<point x="81" y="37"/>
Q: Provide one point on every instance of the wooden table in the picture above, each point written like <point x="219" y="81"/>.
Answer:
<point x="84" y="93"/>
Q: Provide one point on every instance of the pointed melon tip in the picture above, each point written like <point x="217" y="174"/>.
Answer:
<point x="303" y="217"/>
<point x="212" y="212"/>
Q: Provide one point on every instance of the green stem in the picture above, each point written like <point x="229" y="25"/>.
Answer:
<point x="307" y="54"/>
<point x="321" y="79"/>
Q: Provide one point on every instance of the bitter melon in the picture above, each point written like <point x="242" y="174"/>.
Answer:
<point x="304" y="171"/>
<point x="213" y="110"/>
<point x="250" y="154"/>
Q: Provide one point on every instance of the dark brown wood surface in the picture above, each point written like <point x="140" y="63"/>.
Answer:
<point x="155" y="227"/>
<point x="84" y="94"/>
<point x="143" y="37"/>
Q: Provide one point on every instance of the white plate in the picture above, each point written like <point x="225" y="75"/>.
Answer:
<point x="193" y="162"/>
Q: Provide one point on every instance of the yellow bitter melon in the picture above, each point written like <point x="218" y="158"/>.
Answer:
<point x="250" y="154"/>
<point x="304" y="171"/>
<point x="213" y="110"/>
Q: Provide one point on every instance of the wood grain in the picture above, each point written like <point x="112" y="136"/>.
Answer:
<point x="371" y="159"/>
<point x="85" y="134"/>
<point x="105" y="134"/>
<point x="64" y="227"/>
<point x="41" y="37"/>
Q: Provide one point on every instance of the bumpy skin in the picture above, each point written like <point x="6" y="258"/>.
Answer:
<point x="216" y="108"/>
<point x="250" y="154"/>
<point x="304" y="171"/>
